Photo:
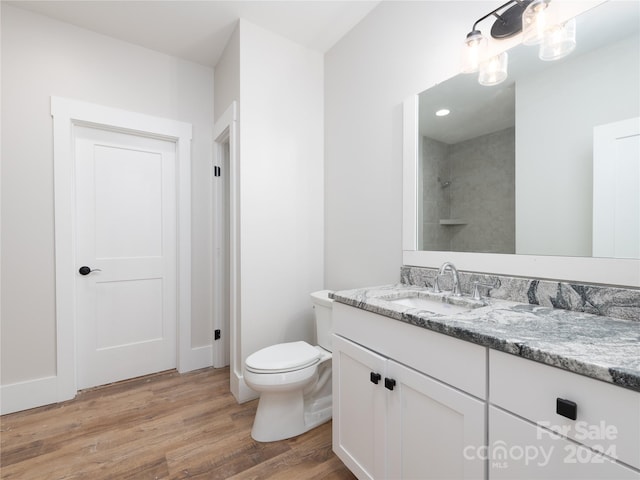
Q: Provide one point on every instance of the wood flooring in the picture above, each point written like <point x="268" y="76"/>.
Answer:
<point x="165" y="426"/>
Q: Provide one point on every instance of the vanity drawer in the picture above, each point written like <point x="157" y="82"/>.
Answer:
<point x="607" y="416"/>
<point x="458" y="363"/>
<point x="519" y="449"/>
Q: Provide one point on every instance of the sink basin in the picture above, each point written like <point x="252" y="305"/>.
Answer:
<point x="437" y="304"/>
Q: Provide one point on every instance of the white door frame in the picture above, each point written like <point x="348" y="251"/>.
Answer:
<point x="226" y="130"/>
<point x="224" y="133"/>
<point x="66" y="115"/>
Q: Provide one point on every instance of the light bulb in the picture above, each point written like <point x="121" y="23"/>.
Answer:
<point x="559" y="41"/>
<point x="474" y="51"/>
<point x="494" y="70"/>
<point x="535" y="22"/>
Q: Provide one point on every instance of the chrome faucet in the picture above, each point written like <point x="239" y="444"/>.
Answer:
<point x="448" y="266"/>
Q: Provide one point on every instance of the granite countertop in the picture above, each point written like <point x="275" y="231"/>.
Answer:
<point x="600" y="347"/>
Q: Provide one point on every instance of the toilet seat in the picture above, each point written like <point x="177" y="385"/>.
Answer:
<point x="282" y="358"/>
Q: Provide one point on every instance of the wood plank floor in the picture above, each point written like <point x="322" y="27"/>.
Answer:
<point x="165" y="426"/>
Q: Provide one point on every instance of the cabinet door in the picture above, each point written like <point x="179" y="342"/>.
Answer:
<point x="520" y="449"/>
<point x="434" y="430"/>
<point x="358" y="409"/>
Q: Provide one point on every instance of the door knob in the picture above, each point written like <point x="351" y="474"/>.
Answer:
<point x="86" y="270"/>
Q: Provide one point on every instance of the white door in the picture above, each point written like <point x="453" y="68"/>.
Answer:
<point x="359" y="414"/>
<point x="125" y="188"/>
<point x="616" y="189"/>
<point x="434" y="430"/>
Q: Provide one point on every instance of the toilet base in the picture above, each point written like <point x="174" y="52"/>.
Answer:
<point x="283" y="415"/>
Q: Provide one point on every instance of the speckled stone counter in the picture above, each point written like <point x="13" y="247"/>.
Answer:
<point x="605" y="348"/>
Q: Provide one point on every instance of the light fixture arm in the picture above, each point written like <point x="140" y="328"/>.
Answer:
<point x="507" y="17"/>
<point x="494" y="12"/>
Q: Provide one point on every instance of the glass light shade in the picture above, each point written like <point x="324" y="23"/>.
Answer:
<point x="559" y="41"/>
<point x="474" y="52"/>
<point x="494" y="70"/>
<point x="535" y="21"/>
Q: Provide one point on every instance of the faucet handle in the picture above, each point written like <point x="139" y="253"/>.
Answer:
<point x="476" y="289"/>
<point x="436" y="284"/>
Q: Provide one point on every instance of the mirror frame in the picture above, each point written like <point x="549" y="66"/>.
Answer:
<point x="610" y="271"/>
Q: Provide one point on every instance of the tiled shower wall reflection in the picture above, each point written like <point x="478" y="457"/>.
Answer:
<point x="472" y="181"/>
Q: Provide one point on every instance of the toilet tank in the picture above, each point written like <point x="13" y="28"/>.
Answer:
<point x="322" y="307"/>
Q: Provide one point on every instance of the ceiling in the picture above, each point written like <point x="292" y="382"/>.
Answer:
<point x="199" y="30"/>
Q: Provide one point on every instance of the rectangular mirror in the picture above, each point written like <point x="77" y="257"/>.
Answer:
<point x="526" y="167"/>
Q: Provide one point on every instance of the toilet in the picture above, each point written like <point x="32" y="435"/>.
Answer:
<point x="294" y="381"/>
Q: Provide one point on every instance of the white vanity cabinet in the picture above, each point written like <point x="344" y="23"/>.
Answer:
<point x="399" y="407"/>
<point x="531" y="434"/>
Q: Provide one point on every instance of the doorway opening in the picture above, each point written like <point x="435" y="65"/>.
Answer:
<point x="221" y="260"/>
<point x="225" y="263"/>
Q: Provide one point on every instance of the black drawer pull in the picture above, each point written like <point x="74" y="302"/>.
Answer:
<point x="566" y="408"/>
<point x="389" y="383"/>
<point x="375" y="377"/>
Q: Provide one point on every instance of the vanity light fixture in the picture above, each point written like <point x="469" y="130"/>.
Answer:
<point x="531" y="17"/>
<point x="508" y="24"/>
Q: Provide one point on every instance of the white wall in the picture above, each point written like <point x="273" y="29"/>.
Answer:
<point x="558" y="221"/>
<point x="40" y="58"/>
<point x="281" y="181"/>
<point x="398" y="50"/>
<point x="227" y="75"/>
<point x="279" y="87"/>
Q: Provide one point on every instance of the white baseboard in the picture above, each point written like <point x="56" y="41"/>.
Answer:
<point x="199" y="357"/>
<point x="28" y="394"/>
<point x="240" y="390"/>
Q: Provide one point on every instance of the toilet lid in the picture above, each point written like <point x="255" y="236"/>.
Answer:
<point x="283" y="357"/>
